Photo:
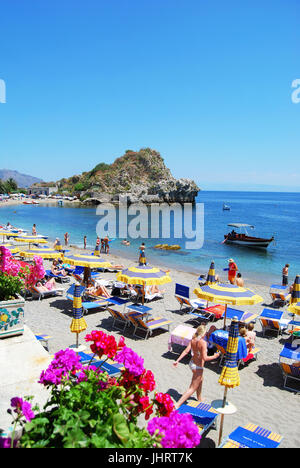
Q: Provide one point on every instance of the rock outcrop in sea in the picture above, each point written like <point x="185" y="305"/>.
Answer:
<point x="139" y="176"/>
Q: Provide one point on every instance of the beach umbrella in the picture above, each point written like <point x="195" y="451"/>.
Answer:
<point x="226" y="293"/>
<point x="78" y="323"/>
<point x="31" y="240"/>
<point x="229" y="377"/>
<point x="211" y="277"/>
<point x="295" y="297"/>
<point x="295" y="308"/>
<point x="145" y="275"/>
<point x="44" y="253"/>
<point x="88" y="262"/>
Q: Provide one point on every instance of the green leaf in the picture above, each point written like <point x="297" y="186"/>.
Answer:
<point x="120" y="427"/>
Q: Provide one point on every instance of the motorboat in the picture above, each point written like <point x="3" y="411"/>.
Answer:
<point x="226" y="207"/>
<point x="239" y="236"/>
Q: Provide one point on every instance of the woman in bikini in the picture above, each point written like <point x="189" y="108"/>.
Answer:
<point x="198" y="347"/>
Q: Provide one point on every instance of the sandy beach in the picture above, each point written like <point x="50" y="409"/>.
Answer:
<point x="260" y="398"/>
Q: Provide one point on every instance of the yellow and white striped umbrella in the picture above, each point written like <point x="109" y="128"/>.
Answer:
<point x="44" y="253"/>
<point x="144" y="275"/>
<point x="86" y="261"/>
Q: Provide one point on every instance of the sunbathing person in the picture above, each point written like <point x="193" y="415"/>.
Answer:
<point x="46" y="287"/>
<point x="154" y="289"/>
<point x="98" y="291"/>
<point x="57" y="270"/>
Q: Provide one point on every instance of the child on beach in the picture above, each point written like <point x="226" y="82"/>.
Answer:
<point x="285" y="275"/>
<point x="239" y="280"/>
<point x="198" y="347"/>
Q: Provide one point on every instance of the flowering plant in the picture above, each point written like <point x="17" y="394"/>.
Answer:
<point x="89" y="408"/>
<point x="16" y="275"/>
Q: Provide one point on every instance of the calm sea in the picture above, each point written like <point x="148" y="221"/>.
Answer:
<point x="275" y="214"/>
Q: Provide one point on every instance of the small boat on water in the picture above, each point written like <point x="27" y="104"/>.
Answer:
<point x="242" y="237"/>
<point x="226" y="207"/>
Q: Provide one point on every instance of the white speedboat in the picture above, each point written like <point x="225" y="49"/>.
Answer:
<point x="240" y="236"/>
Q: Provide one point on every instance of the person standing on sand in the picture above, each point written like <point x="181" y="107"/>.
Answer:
<point x="33" y="232"/>
<point x="84" y="242"/>
<point x="232" y="270"/>
<point x="285" y="275"/>
<point x="198" y="347"/>
<point x="142" y="257"/>
<point x="67" y="237"/>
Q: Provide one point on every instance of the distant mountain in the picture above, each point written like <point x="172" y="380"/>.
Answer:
<point x="23" y="180"/>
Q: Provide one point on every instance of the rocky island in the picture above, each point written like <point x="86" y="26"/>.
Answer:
<point x="141" y="176"/>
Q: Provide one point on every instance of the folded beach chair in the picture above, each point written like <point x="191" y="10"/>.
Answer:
<point x="61" y="278"/>
<point x="140" y="322"/>
<point x="204" y="415"/>
<point x="37" y="293"/>
<point x="182" y="294"/>
<point x="271" y="320"/>
<point x="251" y="436"/>
<point x="280" y="295"/>
<point x="113" y="368"/>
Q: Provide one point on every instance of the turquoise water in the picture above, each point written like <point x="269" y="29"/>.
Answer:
<point x="275" y="214"/>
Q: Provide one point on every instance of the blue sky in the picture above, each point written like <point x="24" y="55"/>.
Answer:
<point x="206" y="83"/>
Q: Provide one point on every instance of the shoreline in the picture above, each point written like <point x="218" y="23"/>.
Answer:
<point x="254" y="277"/>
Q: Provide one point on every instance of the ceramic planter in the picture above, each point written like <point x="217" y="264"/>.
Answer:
<point x="12" y="317"/>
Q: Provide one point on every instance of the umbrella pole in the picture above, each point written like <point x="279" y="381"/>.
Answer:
<point x="225" y="313"/>
<point x="222" y="416"/>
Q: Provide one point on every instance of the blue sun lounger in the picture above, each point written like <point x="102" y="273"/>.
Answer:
<point x="113" y="368"/>
<point x="251" y="436"/>
<point x="204" y="415"/>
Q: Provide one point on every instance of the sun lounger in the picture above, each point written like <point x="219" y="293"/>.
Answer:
<point x="70" y="292"/>
<point x="242" y="316"/>
<point x="280" y="295"/>
<point x="204" y="415"/>
<point x="251" y="436"/>
<point x="182" y="294"/>
<point x="61" y="278"/>
<point x="271" y="320"/>
<point x="38" y="293"/>
<point x="291" y="352"/>
<point x="140" y="322"/>
<point x="113" y="368"/>
<point x="150" y="297"/>
<point x="118" y="317"/>
<point x="45" y="339"/>
<point x="217" y="310"/>
<point x="92" y="305"/>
